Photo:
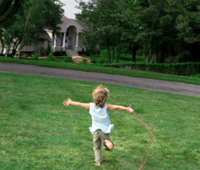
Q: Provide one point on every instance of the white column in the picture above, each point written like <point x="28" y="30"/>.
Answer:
<point x="77" y="40"/>
<point x="64" y="39"/>
<point x="55" y="38"/>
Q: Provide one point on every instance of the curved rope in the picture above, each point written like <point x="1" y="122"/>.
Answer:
<point x="152" y="140"/>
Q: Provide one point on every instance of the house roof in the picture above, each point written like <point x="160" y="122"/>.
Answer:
<point x="65" y="19"/>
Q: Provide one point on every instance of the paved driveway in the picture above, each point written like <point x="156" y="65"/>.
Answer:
<point x="144" y="83"/>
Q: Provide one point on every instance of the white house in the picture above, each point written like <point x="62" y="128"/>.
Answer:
<point x="70" y="33"/>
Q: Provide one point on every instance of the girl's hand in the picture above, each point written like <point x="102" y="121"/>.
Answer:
<point x="67" y="102"/>
<point x="131" y="110"/>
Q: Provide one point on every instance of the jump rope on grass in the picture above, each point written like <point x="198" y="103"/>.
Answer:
<point x="149" y="131"/>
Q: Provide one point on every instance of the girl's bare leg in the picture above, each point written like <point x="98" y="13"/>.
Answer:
<point x="108" y="144"/>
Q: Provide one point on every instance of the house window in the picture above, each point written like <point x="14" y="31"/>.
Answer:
<point x="67" y="33"/>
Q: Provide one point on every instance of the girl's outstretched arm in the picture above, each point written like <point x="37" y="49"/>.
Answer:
<point x="116" y="107"/>
<point x="70" y="102"/>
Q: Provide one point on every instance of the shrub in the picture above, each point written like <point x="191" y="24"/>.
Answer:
<point x="50" y="57"/>
<point x="68" y="58"/>
<point x="94" y="61"/>
<point x="79" y="53"/>
<point x="59" y="53"/>
<point x="8" y="55"/>
<point x="87" y="52"/>
<point x="35" y="56"/>
<point x="83" y="51"/>
<point x="84" y="60"/>
<point x="43" y="51"/>
<point x="62" y="53"/>
<point x="56" y="53"/>
<point x="97" y="52"/>
<point x="102" y="60"/>
<point x="169" y="68"/>
<point x="48" y="49"/>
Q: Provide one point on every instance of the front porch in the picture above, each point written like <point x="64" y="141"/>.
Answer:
<point x="69" y="39"/>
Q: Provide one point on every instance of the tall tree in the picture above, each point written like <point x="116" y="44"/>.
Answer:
<point x="8" y="8"/>
<point x="98" y="16"/>
<point x="29" y="23"/>
<point x="161" y="28"/>
<point x="188" y="26"/>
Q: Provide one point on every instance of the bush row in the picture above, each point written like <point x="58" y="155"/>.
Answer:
<point x="59" y="53"/>
<point x="88" y="52"/>
<point x="50" y="57"/>
<point x="188" y="68"/>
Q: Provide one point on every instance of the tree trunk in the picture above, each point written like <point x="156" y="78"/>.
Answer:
<point x="133" y="54"/>
<point x="154" y="57"/>
<point x="2" y="46"/>
<point x="13" y="52"/>
<point x="18" y="54"/>
<point x="162" y="57"/>
<point x="108" y="48"/>
<point x="16" y="45"/>
<point x="134" y="50"/>
<point x="118" y="55"/>
<point x="113" y="53"/>
<point x="7" y="51"/>
<point x="147" y="59"/>
<point x="162" y="53"/>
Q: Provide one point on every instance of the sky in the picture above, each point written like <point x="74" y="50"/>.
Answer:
<point x="70" y="9"/>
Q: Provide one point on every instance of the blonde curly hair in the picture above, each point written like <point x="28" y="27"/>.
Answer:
<point x="100" y="95"/>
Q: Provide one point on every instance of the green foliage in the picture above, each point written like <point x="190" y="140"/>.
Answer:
<point x="95" y="52"/>
<point x="56" y="53"/>
<point x="59" y="53"/>
<point x="102" y="60"/>
<point x="79" y="53"/>
<point x="28" y="23"/>
<point x="48" y="49"/>
<point x="97" y="15"/>
<point x="8" y="9"/>
<point x="83" y="51"/>
<point x="84" y="61"/>
<point x="160" y="29"/>
<point x="43" y="51"/>
<point x="188" y="68"/>
<point x="35" y="56"/>
<point x="68" y="58"/>
<point x="8" y="55"/>
<point x="89" y="52"/>
<point x="50" y="57"/>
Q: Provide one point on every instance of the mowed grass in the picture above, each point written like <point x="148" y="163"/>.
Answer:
<point x="124" y="58"/>
<point x="37" y="132"/>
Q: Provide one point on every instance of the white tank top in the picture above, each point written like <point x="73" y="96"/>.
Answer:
<point x="100" y="119"/>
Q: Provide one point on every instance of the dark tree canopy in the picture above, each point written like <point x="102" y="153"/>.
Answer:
<point x="8" y="9"/>
<point x="30" y="22"/>
<point x="160" y="29"/>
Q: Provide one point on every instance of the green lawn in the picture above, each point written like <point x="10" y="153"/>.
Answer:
<point x="37" y="132"/>
<point x="124" y="58"/>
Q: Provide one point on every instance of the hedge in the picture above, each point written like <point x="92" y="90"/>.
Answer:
<point x="188" y="68"/>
